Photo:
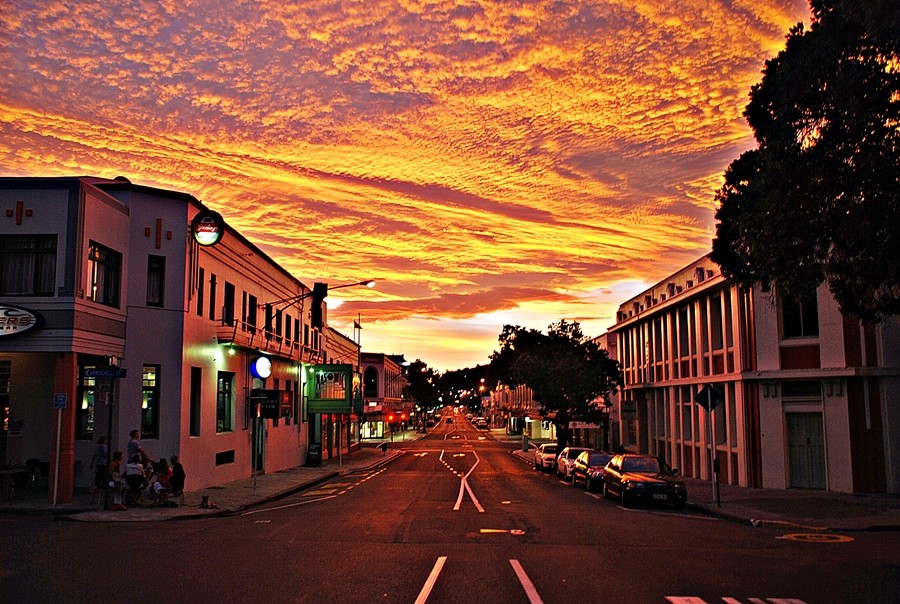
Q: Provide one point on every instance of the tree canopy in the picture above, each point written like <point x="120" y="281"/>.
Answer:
<point x="819" y="199"/>
<point x="567" y="372"/>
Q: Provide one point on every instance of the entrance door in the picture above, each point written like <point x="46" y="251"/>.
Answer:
<point x="258" y="437"/>
<point x="806" y="450"/>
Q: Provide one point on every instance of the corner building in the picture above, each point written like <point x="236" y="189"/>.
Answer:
<point x="807" y="397"/>
<point x="115" y="317"/>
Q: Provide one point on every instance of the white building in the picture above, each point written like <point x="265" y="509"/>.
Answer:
<point x="809" y="398"/>
<point x="116" y="314"/>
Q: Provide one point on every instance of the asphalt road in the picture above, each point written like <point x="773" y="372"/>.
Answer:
<point x="457" y="519"/>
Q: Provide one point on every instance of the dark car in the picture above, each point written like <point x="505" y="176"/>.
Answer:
<point x="589" y="469"/>
<point x="637" y="478"/>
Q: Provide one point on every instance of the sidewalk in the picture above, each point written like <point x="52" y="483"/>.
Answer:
<point x="796" y="510"/>
<point x="229" y="498"/>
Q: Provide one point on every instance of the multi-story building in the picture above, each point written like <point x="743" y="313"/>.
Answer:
<point x="125" y="307"/>
<point x="802" y="396"/>
<point x="383" y="404"/>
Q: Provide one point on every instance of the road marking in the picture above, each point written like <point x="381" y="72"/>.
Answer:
<point x="430" y="581"/>
<point x="527" y="585"/>
<point x="290" y="505"/>
<point x="817" y="538"/>
<point x="459" y="455"/>
<point x="728" y="600"/>
<point x="422" y="454"/>
<point x="517" y="532"/>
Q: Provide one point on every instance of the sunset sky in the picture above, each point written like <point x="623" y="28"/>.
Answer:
<point x="489" y="162"/>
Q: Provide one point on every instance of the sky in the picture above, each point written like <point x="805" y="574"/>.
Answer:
<point x="488" y="162"/>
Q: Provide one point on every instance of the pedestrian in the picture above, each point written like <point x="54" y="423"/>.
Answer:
<point x="99" y="463"/>
<point x="178" y="476"/>
<point x="134" y="446"/>
<point x="115" y="475"/>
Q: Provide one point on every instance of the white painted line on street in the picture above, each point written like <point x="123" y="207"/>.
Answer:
<point x="527" y="585"/>
<point x="472" y="495"/>
<point x="290" y="505"/>
<point x="432" y="578"/>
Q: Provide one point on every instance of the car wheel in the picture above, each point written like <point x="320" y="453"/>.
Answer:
<point x="558" y="473"/>
<point x="679" y="504"/>
<point x="574" y="480"/>
<point x="588" y="485"/>
<point x="622" y="499"/>
<point x="605" y="490"/>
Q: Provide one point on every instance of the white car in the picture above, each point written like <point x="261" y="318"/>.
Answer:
<point x="545" y="457"/>
<point x="566" y="461"/>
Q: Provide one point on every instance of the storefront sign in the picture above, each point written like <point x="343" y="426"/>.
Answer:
<point x="329" y="388"/>
<point x="208" y="227"/>
<point x="15" y="320"/>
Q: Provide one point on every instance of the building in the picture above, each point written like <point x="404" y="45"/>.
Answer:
<point x="384" y="408"/>
<point x="127" y="307"/>
<point x="802" y="395"/>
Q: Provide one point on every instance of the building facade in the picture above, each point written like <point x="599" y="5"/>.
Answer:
<point x="801" y="396"/>
<point x="384" y="408"/>
<point x="125" y="307"/>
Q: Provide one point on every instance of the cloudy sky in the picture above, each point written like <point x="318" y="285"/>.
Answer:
<point x="490" y="162"/>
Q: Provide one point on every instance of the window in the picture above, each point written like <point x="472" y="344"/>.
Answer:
<point x="251" y="313"/>
<point x="196" y="380"/>
<point x="201" y="276"/>
<point x="370" y="382"/>
<point x="228" y="305"/>
<point x="212" y="296"/>
<point x="225" y="402"/>
<point x="800" y="315"/>
<point x="84" y="412"/>
<point x="156" y="277"/>
<point x="5" y="379"/>
<point x="105" y="273"/>
<point x="27" y="265"/>
<point x="150" y="402"/>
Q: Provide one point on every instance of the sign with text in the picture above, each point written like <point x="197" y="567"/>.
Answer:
<point x="329" y="388"/>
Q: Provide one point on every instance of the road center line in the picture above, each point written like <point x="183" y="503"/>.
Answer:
<point x="527" y="585"/>
<point x="432" y="578"/>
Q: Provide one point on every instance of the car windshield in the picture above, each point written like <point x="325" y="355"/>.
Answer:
<point x="641" y="465"/>
<point x="600" y="459"/>
<point x="549" y="449"/>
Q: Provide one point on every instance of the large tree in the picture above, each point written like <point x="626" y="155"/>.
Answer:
<point x="819" y="200"/>
<point x="567" y="372"/>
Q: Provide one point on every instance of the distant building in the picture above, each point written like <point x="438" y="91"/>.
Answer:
<point x="809" y="398"/>
<point x="125" y="307"/>
<point x="384" y="408"/>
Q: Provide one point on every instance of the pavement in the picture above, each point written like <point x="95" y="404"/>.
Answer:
<point x="798" y="510"/>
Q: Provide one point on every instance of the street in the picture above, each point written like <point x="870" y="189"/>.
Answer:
<point x="457" y="519"/>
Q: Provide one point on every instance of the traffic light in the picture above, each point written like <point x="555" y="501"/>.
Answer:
<point x="390" y="418"/>
<point x="403" y="416"/>
<point x="320" y="291"/>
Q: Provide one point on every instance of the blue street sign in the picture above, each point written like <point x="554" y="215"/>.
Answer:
<point x="709" y="398"/>
<point x="105" y="372"/>
<point x="59" y="400"/>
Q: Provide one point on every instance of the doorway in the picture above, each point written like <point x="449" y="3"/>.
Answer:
<point x="806" y="450"/>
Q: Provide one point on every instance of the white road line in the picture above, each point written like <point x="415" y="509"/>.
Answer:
<point x="527" y="585"/>
<point x="290" y="505"/>
<point x="432" y="578"/>
<point x="472" y="495"/>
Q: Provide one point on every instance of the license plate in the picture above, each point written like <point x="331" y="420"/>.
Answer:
<point x="660" y="496"/>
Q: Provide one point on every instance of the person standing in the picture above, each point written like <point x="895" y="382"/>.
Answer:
<point x="134" y="446"/>
<point x="178" y="476"/>
<point x="99" y="462"/>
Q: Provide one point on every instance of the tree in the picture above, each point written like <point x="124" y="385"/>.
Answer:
<point x="567" y="372"/>
<point x="819" y="199"/>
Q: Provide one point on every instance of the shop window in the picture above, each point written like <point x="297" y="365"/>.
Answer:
<point x="212" y="296"/>
<point x="150" y="402"/>
<point x="156" y="277"/>
<point x="225" y="402"/>
<point x="105" y="273"/>
<point x="84" y="412"/>
<point x="27" y="265"/>
<point x="370" y="382"/>
<point x="196" y="381"/>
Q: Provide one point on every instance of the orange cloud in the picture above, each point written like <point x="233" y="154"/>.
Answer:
<point x="484" y="160"/>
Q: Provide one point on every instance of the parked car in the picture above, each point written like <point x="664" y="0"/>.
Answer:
<point x="481" y="423"/>
<point x="566" y="461"/>
<point x="589" y="468"/>
<point x="545" y="457"/>
<point x="637" y="478"/>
